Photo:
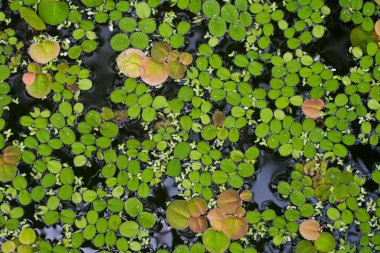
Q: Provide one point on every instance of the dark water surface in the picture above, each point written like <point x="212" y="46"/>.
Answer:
<point x="270" y="169"/>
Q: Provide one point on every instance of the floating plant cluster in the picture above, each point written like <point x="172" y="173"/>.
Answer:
<point x="146" y="126"/>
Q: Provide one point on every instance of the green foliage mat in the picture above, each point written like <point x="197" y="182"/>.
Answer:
<point x="144" y="126"/>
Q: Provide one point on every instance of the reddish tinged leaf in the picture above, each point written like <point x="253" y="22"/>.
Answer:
<point x="153" y="72"/>
<point x="312" y="108"/>
<point x="198" y="224"/>
<point x="28" y="78"/>
<point x="129" y="61"/>
<point x="216" y="217"/>
<point x="197" y="206"/>
<point x="160" y="51"/>
<point x="377" y="27"/>
<point x="235" y="228"/>
<point x="186" y="59"/>
<point x="44" y="51"/>
<point x="246" y="195"/>
<point x="12" y="155"/>
<point x="309" y="229"/>
<point x="173" y="55"/>
<point x="229" y="201"/>
<point x="240" y="212"/>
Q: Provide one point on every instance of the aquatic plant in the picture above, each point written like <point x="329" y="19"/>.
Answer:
<point x="8" y="161"/>
<point x="44" y="51"/>
<point x="37" y="85"/>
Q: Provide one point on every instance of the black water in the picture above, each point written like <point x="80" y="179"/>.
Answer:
<point x="270" y="169"/>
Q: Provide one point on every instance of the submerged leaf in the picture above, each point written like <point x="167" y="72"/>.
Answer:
<point x="229" y="201"/>
<point x="129" y="62"/>
<point x="153" y="72"/>
<point x="312" y="108"/>
<point x="309" y="229"/>
<point x="177" y="214"/>
<point x="45" y="51"/>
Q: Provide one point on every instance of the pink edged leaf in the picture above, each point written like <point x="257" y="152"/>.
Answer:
<point x="28" y="78"/>
<point x="216" y="217"/>
<point x="377" y="27"/>
<point x="229" y="201"/>
<point x="198" y="224"/>
<point x="129" y="61"/>
<point x="309" y="229"/>
<point x="235" y="228"/>
<point x="44" y="51"/>
<point x="153" y="72"/>
<point x="197" y="206"/>
<point x="312" y="108"/>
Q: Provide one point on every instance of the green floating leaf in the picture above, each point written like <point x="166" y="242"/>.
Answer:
<point x="53" y="12"/>
<point x="160" y="51"/>
<point x="178" y="215"/>
<point x="45" y="51"/>
<point x="176" y="70"/>
<point x="7" y="171"/>
<point x="91" y="3"/>
<point x="32" y="18"/>
<point x="197" y="206"/>
<point x="325" y="242"/>
<point x="214" y="241"/>
<point x="41" y="86"/>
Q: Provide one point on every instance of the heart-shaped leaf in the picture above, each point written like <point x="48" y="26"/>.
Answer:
<point x="45" y="51"/>
<point x="129" y="62"/>
<point x="215" y="241"/>
<point x="216" y="217"/>
<point x="309" y="229"/>
<point x="312" y="108"/>
<point x="235" y="228"/>
<point x="198" y="224"/>
<point x="197" y="206"/>
<point x="153" y="72"/>
<point x="229" y="201"/>
<point x="177" y="214"/>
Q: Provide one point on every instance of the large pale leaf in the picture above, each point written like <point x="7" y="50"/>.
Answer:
<point x="44" y="51"/>
<point x="12" y="155"/>
<point x="176" y="70"/>
<point x="177" y="214"/>
<point x="32" y="18"/>
<point x="153" y="72"/>
<point x="53" y="12"/>
<point x="216" y="217"/>
<point x="129" y="61"/>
